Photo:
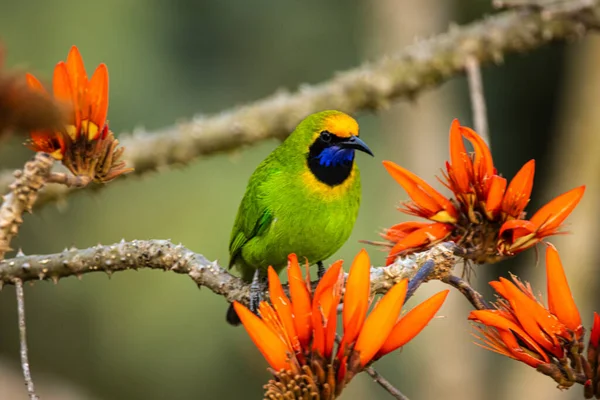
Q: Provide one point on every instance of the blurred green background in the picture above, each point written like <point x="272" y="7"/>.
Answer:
<point x="152" y="335"/>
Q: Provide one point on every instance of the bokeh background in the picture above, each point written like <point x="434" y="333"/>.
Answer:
<point x="152" y="335"/>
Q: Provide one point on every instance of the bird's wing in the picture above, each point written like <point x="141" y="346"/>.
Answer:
<point x="253" y="217"/>
<point x="241" y="238"/>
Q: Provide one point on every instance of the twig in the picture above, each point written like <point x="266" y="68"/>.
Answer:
<point x="22" y="196"/>
<point x="477" y="98"/>
<point x="23" y="340"/>
<point x="377" y="377"/>
<point x="164" y="255"/>
<point x="471" y="294"/>
<point x="69" y="180"/>
<point x="384" y="383"/>
<point x="372" y="86"/>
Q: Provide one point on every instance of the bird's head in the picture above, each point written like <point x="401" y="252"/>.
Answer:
<point x="331" y="140"/>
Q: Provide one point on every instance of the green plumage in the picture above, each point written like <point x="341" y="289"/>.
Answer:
<point x="287" y="210"/>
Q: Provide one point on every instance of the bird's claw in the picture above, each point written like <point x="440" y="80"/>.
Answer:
<point x="320" y="270"/>
<point x="256" y="291"/>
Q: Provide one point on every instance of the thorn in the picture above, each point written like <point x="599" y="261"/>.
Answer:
<point x="55" y="279"/>
<point x="41" y="276"/>
<point x="108" y="273"/>
<point x="20" y="253"/>
<point x="79" y="276"/>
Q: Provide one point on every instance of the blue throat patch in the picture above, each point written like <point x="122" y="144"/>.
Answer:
<point x="333" y="156"/>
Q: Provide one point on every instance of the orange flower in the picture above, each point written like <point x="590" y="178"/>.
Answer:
<point x="595" y="335"/>
<point x="486" y="214"/>
<point x="86" y="146"/>
<point x="23" y="109"/>
<point x="592" y="385"/>
<point x="524" y="329"/>
<point x="296" y="334"/>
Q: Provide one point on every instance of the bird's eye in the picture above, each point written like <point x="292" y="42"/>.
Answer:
<point x="326" y="136"/>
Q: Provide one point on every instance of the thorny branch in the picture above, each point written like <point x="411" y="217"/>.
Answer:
<point x="23" y="340"/>
<point x="372" y="86"/>
<point x="164" y="255"/>
<point x="23" y="194"/>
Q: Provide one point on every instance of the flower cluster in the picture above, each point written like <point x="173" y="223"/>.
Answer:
<point x="550" y="338"/>
<point x="297" y="334"/>
<point x="86" y="146"/>
<point x="486" y="215"/>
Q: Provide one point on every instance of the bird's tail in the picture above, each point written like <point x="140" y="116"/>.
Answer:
<point x="232" y="317"/>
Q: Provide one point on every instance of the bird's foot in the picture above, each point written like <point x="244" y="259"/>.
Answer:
<point x="257" y="288"/>
<point x="320" y="270"/>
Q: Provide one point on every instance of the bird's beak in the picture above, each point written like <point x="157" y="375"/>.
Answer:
<point x="354" y="142"/>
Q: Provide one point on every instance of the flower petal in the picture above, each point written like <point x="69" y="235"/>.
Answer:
<point x="538" y="322"/>
<point x="499" y="288"/>
<point x="560" y="299"/>
<point x="301" y="302"/>
<point x="549" y="217"/>
<point x="495" y="319"/>
<point x="403" y="229"/>
<point x="460" y="161"/>
<point x="411" y="324"/>
<point x="61" y="86"/>
<point x="268" y="342"/>
<point x="519" y="191"/>
<point x="518" y="352"/>
<point x="516" y="235"/>
<point x="505" y="343"/>
<point x="323" y="299"/>
<point x="34" y="83"/>
<point x="429" y="203"/>
<point x="430" y="234"/>
<point x="493" y="203"/>
<point x="78" y="80"/>
<point x="356" y="298"/>
<point x="96" y="100"/>
<point x="483" y="164"/>
<point x="283" y="306"/>
<point x="380" y="322"/>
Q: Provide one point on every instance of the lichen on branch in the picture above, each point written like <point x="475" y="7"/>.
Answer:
<point x="21" y="198"/>
<point x="164" y="255"/>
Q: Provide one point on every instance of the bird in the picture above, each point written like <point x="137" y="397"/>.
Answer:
<point x="303" y="198"/>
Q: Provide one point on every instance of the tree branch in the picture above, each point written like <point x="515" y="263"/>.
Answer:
<point x="164" y="255"/>
<point x="477" y="99"/>
<point x="22" y="196"/>
<point x="474" y="297"/>
<point x="372" y="86"/>
<point x="385" y="384"/>
<point x="23" y="340"/>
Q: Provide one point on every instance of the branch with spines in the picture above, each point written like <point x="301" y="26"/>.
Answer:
<point x="372" y="86"/>
<point x="164" y="255"/>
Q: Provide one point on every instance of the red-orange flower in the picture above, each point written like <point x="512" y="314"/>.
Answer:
<point x="297" y="334"/>
<point x="592" y="385"/>
<point x="23" y="109"/>
<point x="521" y="327"/>
<point x="485" y="216"/>
<point x="85" y="146"/>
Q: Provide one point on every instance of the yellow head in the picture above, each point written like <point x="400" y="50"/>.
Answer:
<point x="326" y="142"/>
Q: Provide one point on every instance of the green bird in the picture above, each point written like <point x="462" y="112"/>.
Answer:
<point x="303" y="198"/>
